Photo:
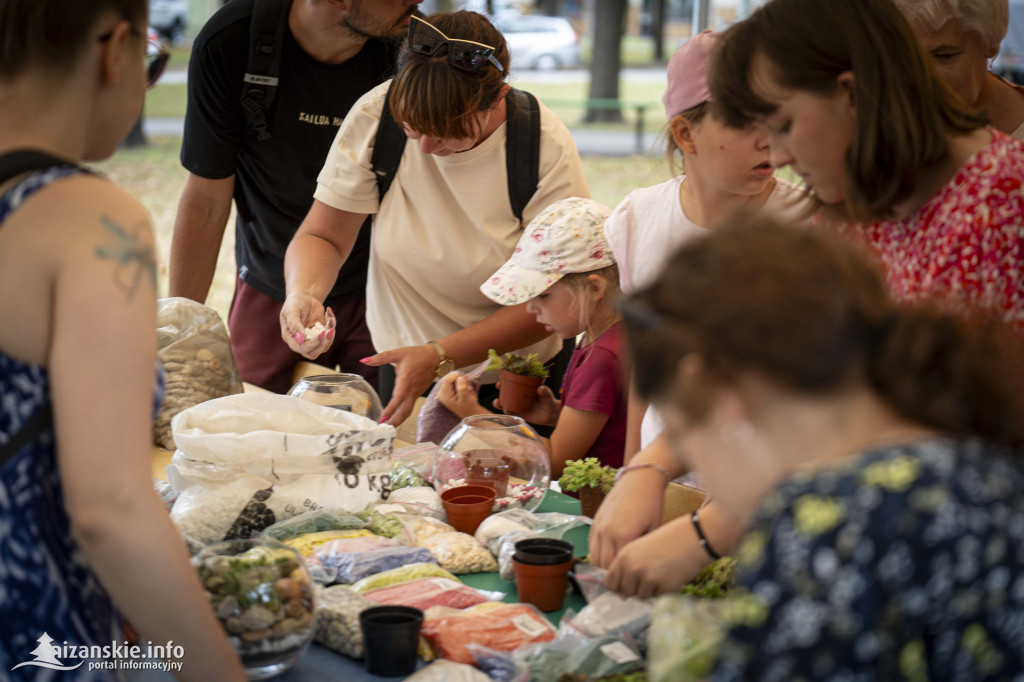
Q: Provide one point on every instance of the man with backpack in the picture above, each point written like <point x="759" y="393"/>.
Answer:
<point x="270" y="82"/>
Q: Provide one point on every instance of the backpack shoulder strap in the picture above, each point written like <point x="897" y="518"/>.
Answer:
<point x="387" y="148"/>
<point x="522" y="149"/>
<point x="266" y="42"/>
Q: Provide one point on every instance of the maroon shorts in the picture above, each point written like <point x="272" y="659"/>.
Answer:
<point x="264" y="359"/>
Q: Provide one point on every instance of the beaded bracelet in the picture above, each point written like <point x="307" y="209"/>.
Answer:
<point x="643" y="465"/>
<point x="702" y="539"/>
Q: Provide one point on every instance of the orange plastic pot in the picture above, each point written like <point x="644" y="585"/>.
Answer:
<point x="518" y="393"/>
<point x="467" y="490"/>
<point x="542" y="585"/>
<point x="465" y="512"/>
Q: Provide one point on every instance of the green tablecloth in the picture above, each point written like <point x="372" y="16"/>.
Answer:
<point x="553" y="502"/>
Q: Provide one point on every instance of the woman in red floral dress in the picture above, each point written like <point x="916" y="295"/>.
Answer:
<point x="897" y="163"/>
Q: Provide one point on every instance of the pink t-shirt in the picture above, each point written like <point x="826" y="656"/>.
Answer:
<point x="965" y="246"/>
<point x="595" y="382"/>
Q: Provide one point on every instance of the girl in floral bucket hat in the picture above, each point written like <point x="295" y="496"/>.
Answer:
<point x="563" y="269"/>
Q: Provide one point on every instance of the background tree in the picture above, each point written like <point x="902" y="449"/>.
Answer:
<point x="656" y="12"/>
<point x="551" y="8"/>
<point x="606" y="59"/>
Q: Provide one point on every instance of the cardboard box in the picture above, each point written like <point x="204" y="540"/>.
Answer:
<point x="681" y="499"/>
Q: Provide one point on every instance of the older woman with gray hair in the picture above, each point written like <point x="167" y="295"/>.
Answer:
<point x="962" y="36"/>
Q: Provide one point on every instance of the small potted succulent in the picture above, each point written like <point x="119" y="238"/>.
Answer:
<point x="520" y="378"/>
<point x="590" y="479"/>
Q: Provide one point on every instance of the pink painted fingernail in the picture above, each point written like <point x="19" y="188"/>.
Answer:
<point x="300" y="337"/>
<point x="330" y="333"/>
<point x="366" y="359"/>
<point x="320" y="337"/>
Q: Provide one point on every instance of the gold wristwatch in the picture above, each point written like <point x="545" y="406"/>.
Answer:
<point x="445" y="362"/>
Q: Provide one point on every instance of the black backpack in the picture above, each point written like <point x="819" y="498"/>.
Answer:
<point x="266" y="36"/>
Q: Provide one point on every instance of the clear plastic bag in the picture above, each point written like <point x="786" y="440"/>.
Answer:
<point x="314" y="521"/>
<point x="354" y="562"/>
<point x="573" y="655"/>
<point x="405" y="476"/>
<point x="496" y="625"/>
<point x="402" y="574"/>
<point x="613" y="614"/>
<point x="421" y="528"/>
<point x="306" y="544"/>
<point x="548" y="524"/>
<point x="460" y="553"/>
<point x="194" y="348"/>
<point x="385" y="525"/>
<point x="507" y="550"/>
<point x="435" y="420"/>
<point x="685" y="636"/>
<point x="424" y="501"/>
<point x="500" y="666"/>
<point x="337" y="620"/>
<point x="590" y="579"/>
<point x="419" y="457"/>
<point x="448" y="671"/>
<point x="428" y="592"/>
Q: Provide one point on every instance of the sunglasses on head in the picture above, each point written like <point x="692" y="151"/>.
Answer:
<point x="157" y="57"/>
<point x="466" y="55"/>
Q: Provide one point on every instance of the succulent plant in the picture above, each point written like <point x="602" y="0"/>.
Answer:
<point x="581" y="473"/>
<point x="529" y="366"/>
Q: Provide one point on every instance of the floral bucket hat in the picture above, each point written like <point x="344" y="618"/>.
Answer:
<point x="566" y="237"/>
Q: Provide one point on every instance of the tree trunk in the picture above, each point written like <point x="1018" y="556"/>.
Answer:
<point x="606" y="60"/>
<point x="551" y="8"/>
<point x="136" y="137"/>
<point x="658" y="29"/>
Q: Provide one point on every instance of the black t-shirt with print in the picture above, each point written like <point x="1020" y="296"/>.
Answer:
<point x="274" y="179"/>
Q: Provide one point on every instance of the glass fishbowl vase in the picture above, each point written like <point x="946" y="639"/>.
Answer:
<point x="498" y="451"/>
<point x="349" y="392"/>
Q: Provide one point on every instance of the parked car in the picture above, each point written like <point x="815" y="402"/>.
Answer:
<point x="1009" y="63"/>
<point x="170" y="18"/>
<point x="540" y="42"/>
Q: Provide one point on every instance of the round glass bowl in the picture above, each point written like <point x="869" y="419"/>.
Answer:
<point x="264" y="598"/>
<point x="349" y="392"/>
<point x="498" y="451"/>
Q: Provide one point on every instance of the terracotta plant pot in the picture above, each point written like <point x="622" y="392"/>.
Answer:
<point x="542" y="586"/>
<point x="465" y="512"/>
<point x="518" y="393"/>
<point x="590" y="500"/>
<point x="489" y="468"/>
<point x="543" y="551"/>
<point x="466" y="490"/>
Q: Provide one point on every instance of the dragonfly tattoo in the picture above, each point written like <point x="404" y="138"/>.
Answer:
<point x="134" y="258"/>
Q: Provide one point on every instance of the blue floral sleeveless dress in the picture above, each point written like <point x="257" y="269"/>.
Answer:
<point x="46" y="584"/>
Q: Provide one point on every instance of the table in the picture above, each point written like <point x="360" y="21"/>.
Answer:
<point x="320" y="663"/>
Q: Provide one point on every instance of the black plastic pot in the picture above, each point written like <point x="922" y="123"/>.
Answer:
<point x="543" y="551"/>
<point x="391" y="635"/>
